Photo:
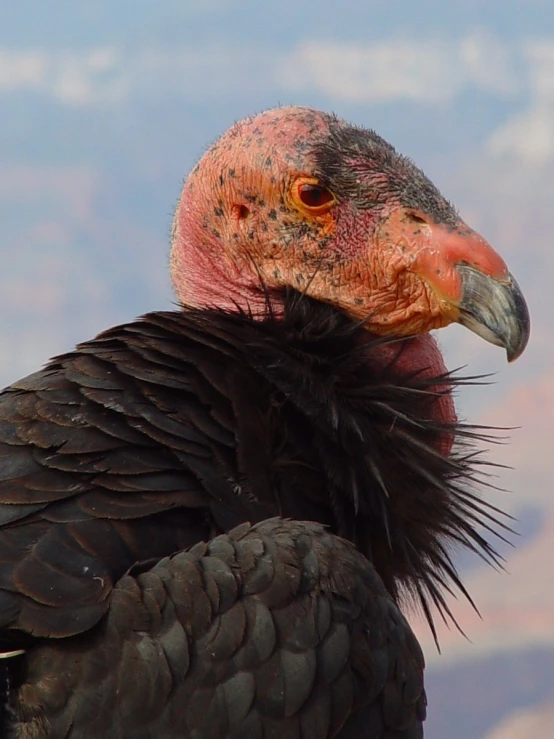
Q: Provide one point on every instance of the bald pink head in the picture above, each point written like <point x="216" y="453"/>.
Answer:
<point x="294" y="197"/>
<point x="230" y="227"/>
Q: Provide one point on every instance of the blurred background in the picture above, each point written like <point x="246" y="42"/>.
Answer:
<point x="105" y="106"/>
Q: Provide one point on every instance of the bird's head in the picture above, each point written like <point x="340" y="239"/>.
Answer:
<point x="298" y="198"/>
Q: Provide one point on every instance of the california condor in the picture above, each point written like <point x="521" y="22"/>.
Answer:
<point x="297" y="395"/>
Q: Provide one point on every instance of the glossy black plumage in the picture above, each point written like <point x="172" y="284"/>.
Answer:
<point x="172" y="429"/>
<point x="281" y="630"/>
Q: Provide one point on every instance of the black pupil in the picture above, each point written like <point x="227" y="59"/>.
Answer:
<point x="314" y="195"/>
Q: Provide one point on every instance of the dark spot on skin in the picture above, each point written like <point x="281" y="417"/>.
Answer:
<point x="251" y="235"/>
<point x="265" y="227"/>
<point x="272" y="214"/>
<point x="216" y="233"/>
<point x="221" y="179"/>
<point x="277" y="274"/>
<point x="231" y="172"/>
<point x="205" y="222"/>
<point x="268" y="162"/>
<point x="235" y="236"/>
<point x="438" y="272"/>
<point x="251" y="198"/>
<point x="358" y="301"/>
<point x="218" y="212"/>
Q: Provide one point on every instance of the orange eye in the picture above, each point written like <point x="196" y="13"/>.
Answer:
<point x="315" y="197"/>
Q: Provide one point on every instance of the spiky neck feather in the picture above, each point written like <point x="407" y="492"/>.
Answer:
<point x="315" y="425"/>
<point x="374" y="433"/>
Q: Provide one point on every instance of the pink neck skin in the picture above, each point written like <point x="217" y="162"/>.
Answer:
<point x="202" y="275"/>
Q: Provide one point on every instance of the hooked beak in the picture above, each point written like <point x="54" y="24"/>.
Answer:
<point x="495" y="310"/>
<point x="466" y="280"/>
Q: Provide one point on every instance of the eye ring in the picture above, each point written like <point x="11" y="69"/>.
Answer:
<point x="310" y="195"/>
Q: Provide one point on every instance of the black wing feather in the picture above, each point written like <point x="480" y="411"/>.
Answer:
<point x="280" y="629"/>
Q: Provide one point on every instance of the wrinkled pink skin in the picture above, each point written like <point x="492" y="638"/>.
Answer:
<point x="421" y="354"/>
<point x="219" y="258"/>
<point x="247" y="161"/>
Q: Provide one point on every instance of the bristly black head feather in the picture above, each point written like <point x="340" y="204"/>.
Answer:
<point x="361" y="167"/>
<point x="369" y="432"/>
